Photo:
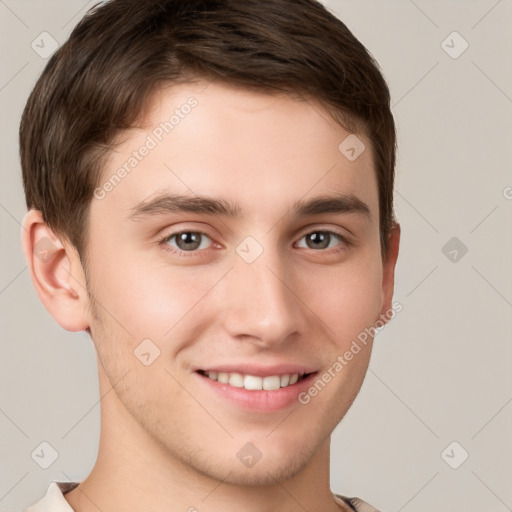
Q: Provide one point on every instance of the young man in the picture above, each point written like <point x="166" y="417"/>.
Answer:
<point x="210" y="194"/>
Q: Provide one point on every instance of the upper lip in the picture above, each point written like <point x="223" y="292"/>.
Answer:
<point x="259" y="370"/>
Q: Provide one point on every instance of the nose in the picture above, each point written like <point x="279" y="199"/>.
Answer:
<point x="259" y="302"/>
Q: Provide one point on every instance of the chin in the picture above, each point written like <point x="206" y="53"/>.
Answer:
<point x="262" y="474"/>
<point x="277" y="466"/>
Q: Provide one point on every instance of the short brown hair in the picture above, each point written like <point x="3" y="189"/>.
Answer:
<point x="97" y="84"/>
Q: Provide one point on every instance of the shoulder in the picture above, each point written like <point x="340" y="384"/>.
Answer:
<point x="53" y="500"/>
<point x="357" y="504"/>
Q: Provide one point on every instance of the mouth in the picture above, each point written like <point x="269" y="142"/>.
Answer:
<point x="256" y="388"/>
<point x="255" y="382"/>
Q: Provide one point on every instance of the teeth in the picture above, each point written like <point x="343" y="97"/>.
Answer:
<point x="272" y="383"/>
<point x="236" y="380"/>
<point x="222" y="377"/>
<point x="252" y="382"/>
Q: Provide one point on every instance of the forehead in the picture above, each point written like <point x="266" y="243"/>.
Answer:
<point x="255" y="149"/>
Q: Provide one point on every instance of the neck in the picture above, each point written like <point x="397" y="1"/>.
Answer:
<point x="133" y="471"/>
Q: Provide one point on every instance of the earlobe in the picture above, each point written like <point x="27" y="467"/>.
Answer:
<point x="56" y="273"/>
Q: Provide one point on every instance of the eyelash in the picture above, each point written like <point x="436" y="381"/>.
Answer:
<point x="181" y="253"/>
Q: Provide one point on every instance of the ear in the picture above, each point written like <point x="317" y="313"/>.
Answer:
<point x="56" y="272"/>
<point x="388" y="275"/>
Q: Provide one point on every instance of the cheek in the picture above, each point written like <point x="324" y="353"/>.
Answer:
<point x="149" y="299"/>
<point x="348" y="299"/>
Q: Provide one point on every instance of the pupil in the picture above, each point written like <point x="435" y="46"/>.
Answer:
<point x="185" y="240"/>
<point x="321" y="237"/>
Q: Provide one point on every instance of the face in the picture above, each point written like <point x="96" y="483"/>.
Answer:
<point x="263" y="267"/>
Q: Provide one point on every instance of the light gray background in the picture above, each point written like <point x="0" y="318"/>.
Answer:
<point x="440" y="371"/>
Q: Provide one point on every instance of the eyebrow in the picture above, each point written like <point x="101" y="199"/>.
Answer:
<point x="179" y="203"/>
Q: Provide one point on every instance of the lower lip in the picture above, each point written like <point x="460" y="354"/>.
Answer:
<point x="259" y="400"/>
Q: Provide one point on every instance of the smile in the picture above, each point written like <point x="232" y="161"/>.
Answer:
<point x="253" y="382"/>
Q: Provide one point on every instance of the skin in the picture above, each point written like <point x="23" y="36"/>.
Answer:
<point x="168" y="443"/>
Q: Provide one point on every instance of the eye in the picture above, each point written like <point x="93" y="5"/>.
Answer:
<point x="185" y="241"/>
<point x="323" y="239"/>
